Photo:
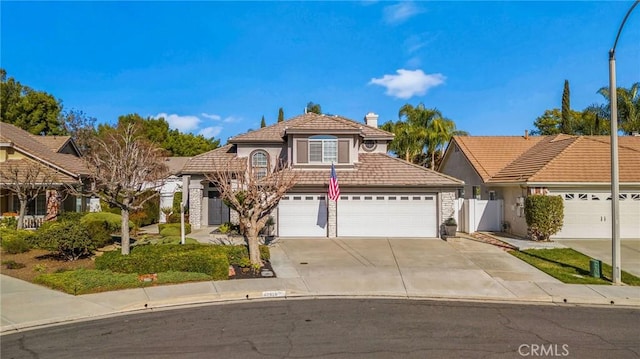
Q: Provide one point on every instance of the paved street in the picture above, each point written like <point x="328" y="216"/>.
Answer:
<point x="339" y="328"/>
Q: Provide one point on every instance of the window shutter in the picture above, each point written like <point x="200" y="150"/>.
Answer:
<point x="302" y="151"/>
<point x="343" y="151"/>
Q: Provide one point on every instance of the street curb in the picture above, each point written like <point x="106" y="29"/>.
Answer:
<point x="238" y="298"/>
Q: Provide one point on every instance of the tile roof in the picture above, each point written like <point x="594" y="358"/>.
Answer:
<point x="24" y="164"/>
<point x="175" y="164"/>
<point x="551" y="159"/>
<point x="220" y="157"/>
<point x="319" y="124"/>
<point x="489" y="154"/>
<point x="379" y="169"/>
<point x="31" y="146"/>
<point x="55" y="143"/>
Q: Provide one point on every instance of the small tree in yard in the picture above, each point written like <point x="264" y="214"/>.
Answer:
<point x="544" y="215"/>
<point x="27" y="180"/>
<point x="253" y="197"/>
<point x="123" y="167"/>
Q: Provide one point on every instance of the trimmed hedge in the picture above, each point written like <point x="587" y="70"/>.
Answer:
<point x="197" y="258"/>
<point x="544" y="215"/>
<point x="162" y="226"/>
<point x="113" y="222"/>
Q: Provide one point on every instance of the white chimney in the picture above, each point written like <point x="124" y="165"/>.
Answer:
<point x="371" y="120"/>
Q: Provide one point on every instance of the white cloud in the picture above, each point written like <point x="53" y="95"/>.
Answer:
<point x="232" y="119"/>
<point x="181" y="123"/>
<point x="209" y="132"/>
<point x="408" y="83"/>
<point x="211" y="116"/>
<point x="399" y="13"/>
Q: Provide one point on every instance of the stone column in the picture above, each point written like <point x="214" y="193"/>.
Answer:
<point x="332" y="219"/>
<point x="195" y="203"/>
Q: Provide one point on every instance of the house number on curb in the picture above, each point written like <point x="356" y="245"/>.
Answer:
<point x="273" y="293"/>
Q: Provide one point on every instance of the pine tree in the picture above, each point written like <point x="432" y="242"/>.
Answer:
<point x="280" y="115"/>
<point x="263" y="123"/>
<point x="565" y="123"/>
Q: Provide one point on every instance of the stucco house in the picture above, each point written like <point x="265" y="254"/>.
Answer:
<point x="172" y="184"/>
<point x="57" y="155"/>
<point x="506" y="169"/>
<point x="381" y="196"/>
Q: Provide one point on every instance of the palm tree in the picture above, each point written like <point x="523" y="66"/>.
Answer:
<point x="628" y="107"/>
<point x="408" y="141"/>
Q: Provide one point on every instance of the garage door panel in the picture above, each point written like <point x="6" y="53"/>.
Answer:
<point x="302" y="215"/>
<point x="588" y="215"/>
<point x="387" y="216"/>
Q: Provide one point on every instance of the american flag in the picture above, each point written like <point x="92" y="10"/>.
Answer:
<point x="334" y="189"/>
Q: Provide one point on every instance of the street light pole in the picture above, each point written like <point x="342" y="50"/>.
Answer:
<point x="615" y="182"/>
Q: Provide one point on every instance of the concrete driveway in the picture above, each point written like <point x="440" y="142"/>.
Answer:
<point x="403" y="266"/>
<point x="601" y="249"/>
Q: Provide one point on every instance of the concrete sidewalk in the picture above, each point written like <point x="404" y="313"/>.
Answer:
<point x="457" y="269"/>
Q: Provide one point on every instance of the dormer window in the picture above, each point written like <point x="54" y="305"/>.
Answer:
<point x="323" y="149"/>
<point x="259" y="164"/>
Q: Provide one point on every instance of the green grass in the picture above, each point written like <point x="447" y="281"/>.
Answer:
<point x="569" y="266"/>
<point x="85" y="281"/>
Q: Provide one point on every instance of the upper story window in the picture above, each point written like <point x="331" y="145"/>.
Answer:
<point x="259" y="164"/>
<point x="323" y="149"/>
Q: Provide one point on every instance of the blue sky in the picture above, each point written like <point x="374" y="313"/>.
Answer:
<point x="217" y="67"/>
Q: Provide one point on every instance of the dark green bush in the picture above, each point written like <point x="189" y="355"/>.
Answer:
<point x="16" y="241"/>
<point x="187" y="227"/>
<point x="544" y="215"/>
<point x="69" y="239"/>
<point x="211" y="260"/>
<point x="99" y="233"/>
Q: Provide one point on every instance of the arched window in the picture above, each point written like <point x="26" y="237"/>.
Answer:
<point x="259" y="164"/>
<point x="323" y="149"/>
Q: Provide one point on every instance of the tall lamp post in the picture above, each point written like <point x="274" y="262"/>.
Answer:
<point x="615" y="182"/>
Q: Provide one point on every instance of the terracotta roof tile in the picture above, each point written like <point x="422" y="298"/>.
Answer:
<point x="31" y="146"/>
<point x="559" y="158"/>
<point x="490" y="154"/>
<point x="378" y="169"/>
<point x="310" y="121"/>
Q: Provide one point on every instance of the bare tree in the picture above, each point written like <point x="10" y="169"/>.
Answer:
<point x="27" y="180"/>
<point x="123" y="166"/>
<point x="253" y="197"/>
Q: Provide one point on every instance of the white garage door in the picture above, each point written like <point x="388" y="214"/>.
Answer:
<point x="302" y="215"/>
<point x="588" y="215"/>
<point x="387" y="215"/>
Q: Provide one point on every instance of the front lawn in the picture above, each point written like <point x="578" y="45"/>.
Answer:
<point x="569" y="266"/>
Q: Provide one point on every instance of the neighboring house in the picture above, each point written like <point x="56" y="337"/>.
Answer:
<point x="171" y="184"/>
<point x="577" y="168"/>
<point x="57" y="154"/>
<point x="381" y="196"/>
